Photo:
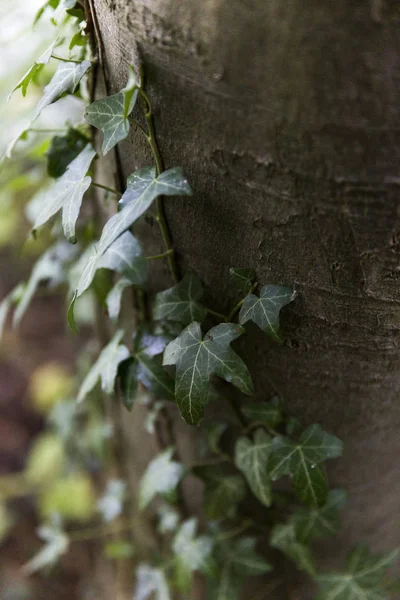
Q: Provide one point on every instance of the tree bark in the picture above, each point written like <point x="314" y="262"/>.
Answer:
<point x="285" y="118"/>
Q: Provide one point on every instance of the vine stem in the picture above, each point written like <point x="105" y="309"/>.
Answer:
<point x="163" y="255"/>
<point x="62" y="59"/>
<point x="93" y="533"/>
<point x="105" y="187"/>
<point x="160" y="217"/>
<point x="239" y="304"/>
<point x="217" y="314"/>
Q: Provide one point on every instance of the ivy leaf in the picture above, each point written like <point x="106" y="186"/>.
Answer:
<point x="301" y="461"/>
<point x="148" y="365"/>
<point x="49" y="268"/>
<point x="56" y="544"/>
<point x="238" y="559"/>
<point x="114" y="298"/>
<point x="124" y="256"/>
<point x="264" y="311"/>
<point x="142" y="188"/>
<point x="79" y="38"/>
<point x="243" y="278"/>
<point x="252" y="459"/>
<point x="150" y="581"/>
<point x="105" y="367"/>
<point x="168" y="519"/>
<point x="180" y="303"/>
<point x="111" y="502"/>
<point x="66" y="194"/>
<point x="222" y="492"/>
<point x="283" y="537"/>
<point x="161" y="477"/>
<point x="192" y="552"/>
<point x="319" y="522"/>
<point x="110" y="114"/>
<point x="269" y="413"/>
<point x="34" y="70"/>
<point x="63" y="150"/>
<point x="65" y="80"/>
<point x="128" y="382"/>
<point x="363" y="579"/>
<point x="197" y="359"/>
<point x="214" y="434"/>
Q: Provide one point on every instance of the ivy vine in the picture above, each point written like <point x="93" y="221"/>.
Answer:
<point x="173" y="356"/>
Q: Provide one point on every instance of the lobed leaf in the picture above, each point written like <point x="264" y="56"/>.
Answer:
<point x="56" y="543"/>
<point x="251" y="457"/>
<point x="283" y="537"/>
<point x="196" y="359"/>
<point x="114" y="298"/>
<point x="192" y="552"/>
<point x="110" y="114"/>
<point x="243" y="278"/>
<point x="150" y="583"/>
<point x="319" y="522"/>
<point x="270" y="413"/>
<point x="180" y="303"/>
<point x="63" y="150"/>
<point x="264" y="311"/>
<point x="34" y="70"/>
<point x="105" y="367"/>
<point x="65" y="80"/>
<point x="66" y="194"/>
<point x="142" y="188"/>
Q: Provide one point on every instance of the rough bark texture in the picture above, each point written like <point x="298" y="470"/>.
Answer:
<point x="285" y="117"/>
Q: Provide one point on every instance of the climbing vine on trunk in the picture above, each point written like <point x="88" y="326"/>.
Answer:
<point x="179" y="351"/>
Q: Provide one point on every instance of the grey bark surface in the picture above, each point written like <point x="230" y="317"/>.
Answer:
<point x="285" y="118"/>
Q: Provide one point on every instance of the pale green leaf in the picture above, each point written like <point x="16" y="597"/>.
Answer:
<point x="269" y="413"/>
<point x="197" y="359"/>
<point x="105" y="367"/>
<point x="34" y="69"/>
<point x="110" y="114"/>
<point x="181" y="302"/>
<point x="8" y="301"/>
<point x="49" y="268"/>
<point x="313" y="523"/>
<point x="192" y="552"/>
<point x="114" y="298"/>
<point x="168" y="519"/>
<point x="243" y="278"/>
<point x="251" y="457"/>
<point x="65" y="80"/>
<point x="66" y="194"/>
<point x="111" y="503"/>
<point x="363" y="579"/>
<point x="78" y="39"/>
<point x="283" y="537"/>
<point x="151" y="584"/>
<point x="264" y="311"/>
<point x="301" y="461"/>
<point x="56" y="544"/>
<point x="142" y="188"/>
<point x="161" y="477"/>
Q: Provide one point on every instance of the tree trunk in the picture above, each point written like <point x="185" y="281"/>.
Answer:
<point x="284" y="116"/>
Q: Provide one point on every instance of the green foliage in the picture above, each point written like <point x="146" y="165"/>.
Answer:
<point x="319" y="522"/>
<point x="363" y="579"/>
<point x="251" y="458"/>
<point x="264" y="311"/>
<point x="181" y="302"/>
<point x="34" y="70"/>
<point x="161" y="477"/>
<point x="301" y="460"/>
<point x="243" y="278"/>
<point x="196" y="359"/>
<point x="148" y="349"/>
<point x="66" y="194"/>
<point x="110" y="114"/>
<point x="105" y="367"/>
<point x="114" y="298"/>
<point x="283" y="537"/>
<point x="223" y="492"/>
<point x="65" y="80"/>
<point x="63" y="149"/>
<point x="192" y="552"/>
<point x="151" y="583"/>
<point x="269" y="413"/>
<point x="56" y="544"/>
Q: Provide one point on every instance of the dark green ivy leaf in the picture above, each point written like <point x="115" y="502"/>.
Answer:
<point x="223" y="492"/>
<point x="65" y="80"/>
<point x="264" y="311"/>
<point x="142" y="188"/>
<point x="180" y="303"/>
<point x="148" y="364"/>
<point x="319" y="522"/>
<point x="283" y="537"/>
<point x="301" y="461"/>
<point x="251" y="457"/>
<point x="196" y="359"/>
<point x="243" y="278"/>
<point x="269" y="413"/>
<point x="128" y="382"/>
<point x="63" y="150"/>
<point x="363" y="579"/>
<point x="110" y="114"/>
